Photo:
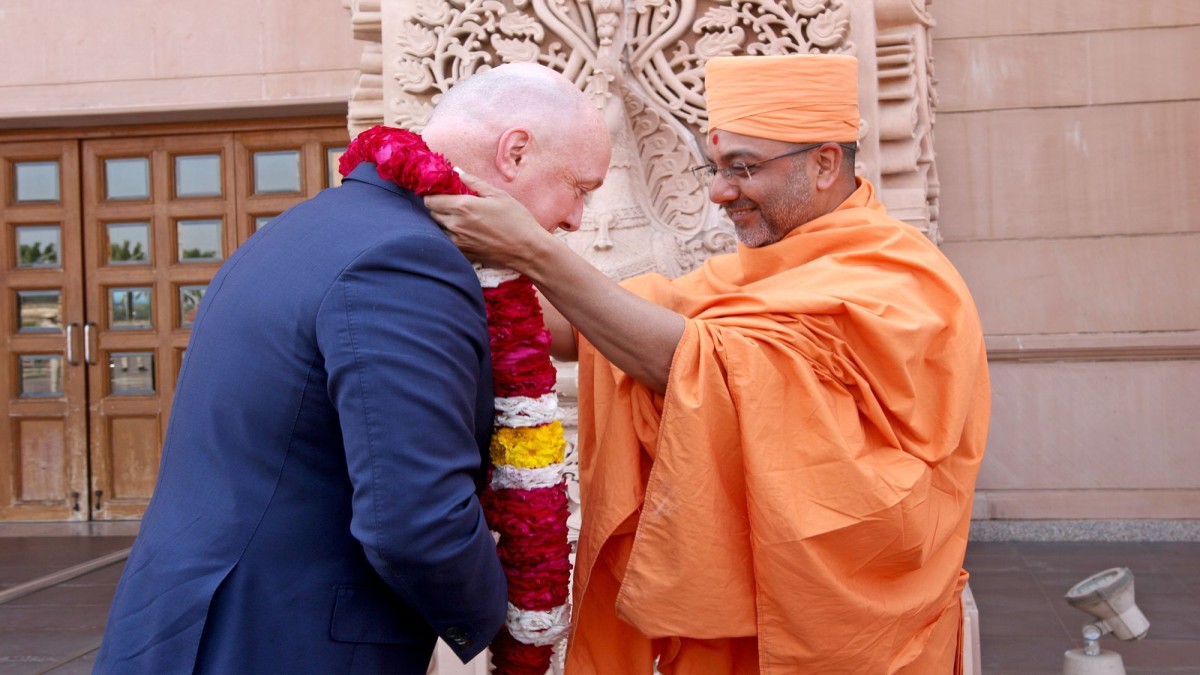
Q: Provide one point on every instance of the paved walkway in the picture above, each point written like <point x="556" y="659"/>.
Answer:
<point x="56" y="582"/>
<point x="1025" y="625"/>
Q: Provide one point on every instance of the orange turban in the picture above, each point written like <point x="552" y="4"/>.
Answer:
<point x="798" y="98"/>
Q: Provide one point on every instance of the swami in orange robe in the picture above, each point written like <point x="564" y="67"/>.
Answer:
<point x="798" y="500"/>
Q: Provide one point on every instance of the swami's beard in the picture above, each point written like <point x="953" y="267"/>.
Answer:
<point x="750" y="225"/>
<point x="763" y="223"/>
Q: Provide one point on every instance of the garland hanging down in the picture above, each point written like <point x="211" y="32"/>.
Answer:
<point x="526" y="499"/>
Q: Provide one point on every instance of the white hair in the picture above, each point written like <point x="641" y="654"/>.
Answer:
<point x="514" y="94"/>
<point x="471" y="116"/>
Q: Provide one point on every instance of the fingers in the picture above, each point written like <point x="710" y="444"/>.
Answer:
<point x="442" y="206"/>
<point x="479" y="185"/>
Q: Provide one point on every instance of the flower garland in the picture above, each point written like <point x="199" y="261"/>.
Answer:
<point x="526" y="498"/>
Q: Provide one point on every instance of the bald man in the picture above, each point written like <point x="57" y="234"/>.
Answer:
<point x="316" y="509"/>
<point x="778" y="450"/>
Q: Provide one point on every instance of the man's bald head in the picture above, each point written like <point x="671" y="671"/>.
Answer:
<point x="472" y="115"/>
<point x="513" y="92"/>
<point x="528" y="130"/>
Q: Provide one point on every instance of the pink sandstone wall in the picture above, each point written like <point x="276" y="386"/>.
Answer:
<point x="1068" y="142"/>
<point x="65" y="58"/>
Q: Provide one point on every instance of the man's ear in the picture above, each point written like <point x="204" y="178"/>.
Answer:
<point x="511" y="152"/>
<point x="828" y="159"/>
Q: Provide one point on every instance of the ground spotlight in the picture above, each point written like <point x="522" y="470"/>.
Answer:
<point x="1108" y="596"/>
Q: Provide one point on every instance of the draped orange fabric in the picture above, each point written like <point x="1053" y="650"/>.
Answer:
<point x="799" y="500"/>
<point x="798" y="98"/>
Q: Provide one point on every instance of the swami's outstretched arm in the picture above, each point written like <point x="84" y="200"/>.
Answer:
<point x="638" y="336"/>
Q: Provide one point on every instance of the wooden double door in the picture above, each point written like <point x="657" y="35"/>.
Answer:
<point x="108" y="246"/>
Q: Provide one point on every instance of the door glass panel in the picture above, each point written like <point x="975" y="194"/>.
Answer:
<point x="128" y="243"/>
<point x="41" y="375"/>
<point x="277" y="171"/>
<point x="198" y="176"/>
<point x="262" y="221"/>
<point x="199" y="240"/>
<point x="131" y="373"/>
<point x="333" y="156"/>
<point x="129" y="308"/>
<point x="39" y="311"/>
<point x="127" y="178"/>
<point x="180" y="354"/>
<point x="36" y="181"/>
<point x="38" y="245"/>
<point x="189" y="300"/>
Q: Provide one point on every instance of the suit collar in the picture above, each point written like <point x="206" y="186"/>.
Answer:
<point x="366" y="172"/>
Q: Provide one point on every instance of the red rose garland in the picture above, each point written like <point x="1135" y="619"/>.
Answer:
<point x="526" y="500"/>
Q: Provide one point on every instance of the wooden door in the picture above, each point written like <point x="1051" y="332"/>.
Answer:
<point x="276" y="170"/>
<point x="158" y="221"/>
<point x="160" y="216"/>
<point x="108" y="243"/>
<point x="43" y="388"/>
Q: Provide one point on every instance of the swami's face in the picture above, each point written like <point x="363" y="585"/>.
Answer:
<point x="768" y="192"/>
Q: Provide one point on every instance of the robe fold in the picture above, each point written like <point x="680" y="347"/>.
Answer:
<point x="799" y="499"/>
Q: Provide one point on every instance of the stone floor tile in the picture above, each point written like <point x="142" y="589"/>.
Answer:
<point x="1026" y="654"/>
<point x="1086" y="558"/>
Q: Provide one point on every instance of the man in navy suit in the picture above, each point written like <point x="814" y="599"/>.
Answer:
<point x="317" y="504"/>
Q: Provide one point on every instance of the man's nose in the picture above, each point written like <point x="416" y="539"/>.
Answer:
<point x="722" y="190"/>
<point x="575" y="220"/>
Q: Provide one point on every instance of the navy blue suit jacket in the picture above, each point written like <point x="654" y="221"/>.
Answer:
<point x="317" y="504"/>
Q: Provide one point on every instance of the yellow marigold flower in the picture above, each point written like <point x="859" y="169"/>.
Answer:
<point x="529" y="447"/>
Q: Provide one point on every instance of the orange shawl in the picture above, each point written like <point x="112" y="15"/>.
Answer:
<point x="807" y="478"/>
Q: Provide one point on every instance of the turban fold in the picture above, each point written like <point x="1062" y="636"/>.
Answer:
<point x="797" y="98"/>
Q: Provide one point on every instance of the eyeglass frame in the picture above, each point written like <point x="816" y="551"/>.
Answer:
<point x="707" y="172"/>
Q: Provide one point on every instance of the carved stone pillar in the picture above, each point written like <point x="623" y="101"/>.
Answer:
<point x="366" y="107"/>
<point x="904" y="109"/>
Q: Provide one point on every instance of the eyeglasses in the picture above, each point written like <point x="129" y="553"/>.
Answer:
<point x="739" y="171"/>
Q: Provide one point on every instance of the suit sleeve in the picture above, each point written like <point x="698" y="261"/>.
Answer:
<point x="404" y="339"/>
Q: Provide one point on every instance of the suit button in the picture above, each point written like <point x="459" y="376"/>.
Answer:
<point x="457" y="636"/>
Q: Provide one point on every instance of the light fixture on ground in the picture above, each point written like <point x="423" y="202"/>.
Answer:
<point x="1108" y="596"/>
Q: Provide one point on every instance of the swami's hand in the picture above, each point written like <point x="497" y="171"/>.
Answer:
<point x="638" y="336"/>
<point x="493" y="228"/>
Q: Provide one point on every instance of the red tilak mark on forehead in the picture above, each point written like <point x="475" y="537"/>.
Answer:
<point x="716" y="139"/>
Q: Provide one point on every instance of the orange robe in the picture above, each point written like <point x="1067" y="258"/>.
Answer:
<point x="799" y="500"/>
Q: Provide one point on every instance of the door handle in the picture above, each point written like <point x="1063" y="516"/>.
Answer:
<point x="88" y="337"/>
<point x="71" y="360"/>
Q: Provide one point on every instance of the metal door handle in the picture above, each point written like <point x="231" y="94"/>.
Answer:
<point x="88" y="336"/>
<point x="71" y="360"/>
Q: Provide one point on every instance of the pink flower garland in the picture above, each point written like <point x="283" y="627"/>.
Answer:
<point x="526" y="500"/>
